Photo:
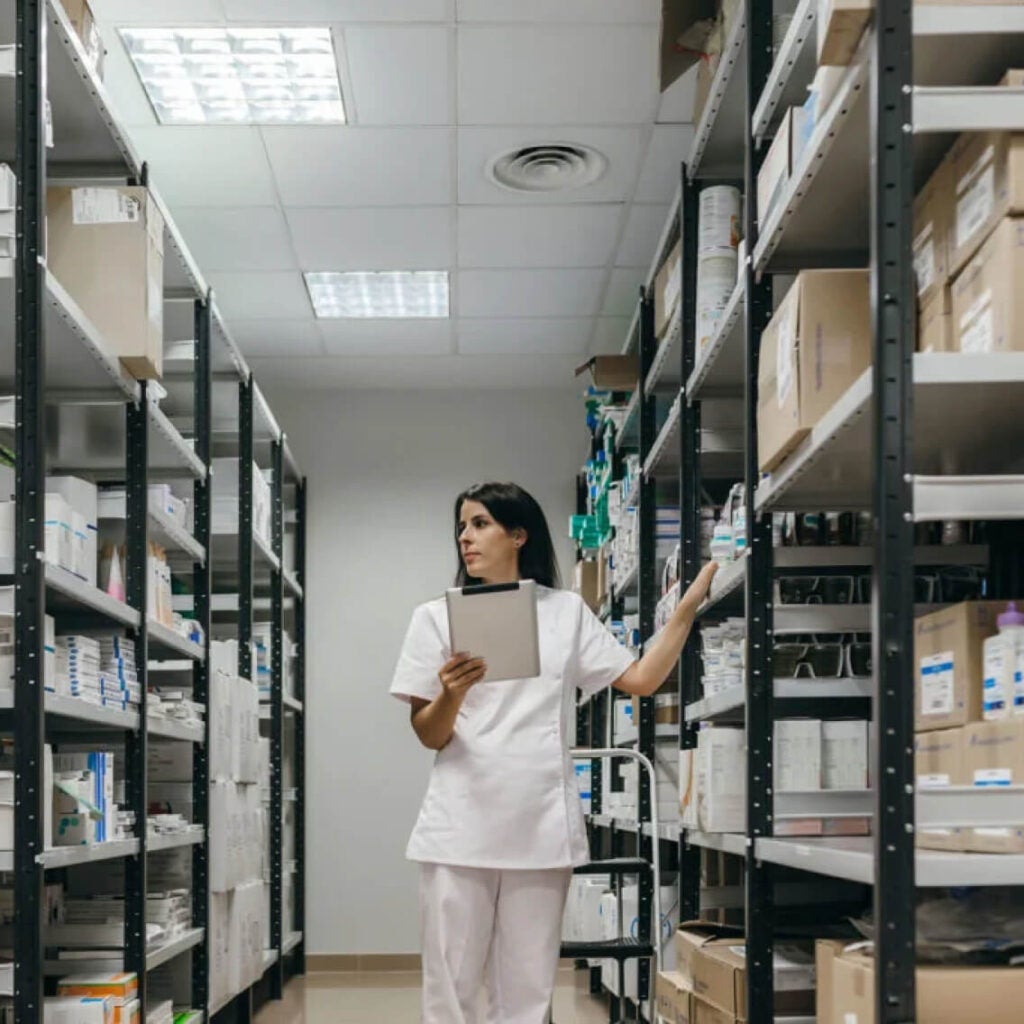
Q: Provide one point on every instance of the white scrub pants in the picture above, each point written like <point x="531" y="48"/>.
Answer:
<point x="505" y="923"/>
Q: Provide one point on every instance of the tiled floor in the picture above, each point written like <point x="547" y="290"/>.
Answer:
<point x="394" y="999"/>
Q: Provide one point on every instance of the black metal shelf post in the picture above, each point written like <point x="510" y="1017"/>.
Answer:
<point x="760" y="897"/>
<point x="689" y="516"/>
<point x="136" y="743"/>
<point x="277" y="721"/>
<point x="300" y="724"/>
<point x="893" y="296"/>
<point x="202" y="580"/>
<point x="30" y="487"/>
<point x="648" y="600"/>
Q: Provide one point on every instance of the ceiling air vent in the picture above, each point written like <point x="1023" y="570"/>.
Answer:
<point x="549" y="167"/>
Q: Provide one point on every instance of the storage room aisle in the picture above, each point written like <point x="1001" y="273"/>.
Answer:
<point x="279" y="281"/>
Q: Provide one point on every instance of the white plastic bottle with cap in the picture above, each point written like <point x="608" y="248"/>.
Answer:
<point x="1001" y="654"/>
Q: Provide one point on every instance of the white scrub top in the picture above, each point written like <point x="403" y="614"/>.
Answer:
<point x="502" y="793"/>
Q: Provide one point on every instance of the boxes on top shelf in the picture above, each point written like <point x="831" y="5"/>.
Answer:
<point x="988" y="294"/>
<point x="105" y="245"/>
<point x="84" y="23"/>
<point x="613" y="373"/>
<point x="684" y="31"/>
<point x="817" y="344"/>
<point x="841" y="23"/>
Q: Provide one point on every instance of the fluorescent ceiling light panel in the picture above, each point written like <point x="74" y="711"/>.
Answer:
<point x="238" y="75"/>
<point x="385" y="294"/>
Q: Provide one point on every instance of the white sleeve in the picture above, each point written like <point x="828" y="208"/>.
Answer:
<point x="422" y="656"/>
<point x="601" y="659"/>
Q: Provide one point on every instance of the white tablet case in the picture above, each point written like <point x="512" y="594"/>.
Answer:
<point x="497" y="623"/>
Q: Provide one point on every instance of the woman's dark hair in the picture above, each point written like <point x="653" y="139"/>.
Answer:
<point x="513" y="508"/>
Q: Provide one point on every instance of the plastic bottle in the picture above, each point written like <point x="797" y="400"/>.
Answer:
<point x="1001" y="654"/>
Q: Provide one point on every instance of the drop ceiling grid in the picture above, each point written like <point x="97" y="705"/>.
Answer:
<point x="403" y="186"/>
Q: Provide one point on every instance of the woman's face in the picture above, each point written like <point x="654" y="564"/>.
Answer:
<point x="489" y="551"/>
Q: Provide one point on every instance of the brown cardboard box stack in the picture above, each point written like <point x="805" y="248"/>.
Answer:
<point x="945" y="995"/>
<point x="105" y="245"/>
<point x="969" y="245"/>
<point x="84" y="23"/>
<point x="817" y="344"/>
<point x="954" y="746"/>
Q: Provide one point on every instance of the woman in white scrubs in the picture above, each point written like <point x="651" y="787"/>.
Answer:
<point x="501" y="825"/>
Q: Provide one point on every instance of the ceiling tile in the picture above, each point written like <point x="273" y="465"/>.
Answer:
<point x="338" y="10"/>
<point x="381" y="338"/>
<point x="254" y="296"/>
<point x="643" y="229"/>
<point x="610" y="335"/>
<point x="400" y="75"/>
<point x="236" y="238"/>
<point x="557" y="75"/>
<point x="278" y="337"/>
<point x="131" y="12"/>
<point x="479" y="147"/>
<point x="676" y="106"/>
<point x="362" y="166"/>
<point x="573" y="12"/>
<point x="575" y="235"/>
<point x="550" y="373"/>
<point x="525" y="336"/>
<point x="660" y="175"/>
<point x="207" y="166"/>
<point x="511" y="293"/>
<point x="623" y="291"/>
<point x="123" y="85"/>
<point x="411" y="238"/>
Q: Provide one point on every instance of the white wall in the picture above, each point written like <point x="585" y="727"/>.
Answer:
<point x="384" y="469"/>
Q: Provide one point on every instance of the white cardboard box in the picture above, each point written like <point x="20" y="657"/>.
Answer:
<point x="722" y="780"/>
<point x="82" y="497"/>
<point x="222" y="985"/>
<point x="797" y="755"/>
<point x="844" y="754"/>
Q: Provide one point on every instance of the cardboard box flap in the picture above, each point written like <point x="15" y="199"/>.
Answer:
<point x="693" y="935"/>
<point x="686" y="26"/>
<point x="618" y="373"/>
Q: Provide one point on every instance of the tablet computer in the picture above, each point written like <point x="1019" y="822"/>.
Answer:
<point x="497" y="622"/>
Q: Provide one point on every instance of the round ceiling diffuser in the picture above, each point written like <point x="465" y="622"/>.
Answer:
<point x="548" y="167"/>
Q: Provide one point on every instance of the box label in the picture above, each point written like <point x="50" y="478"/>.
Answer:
<point x="937" y="685"/>
<point x="936" y="781"/>
<point x="976" y="325"/>
<point x="993" y="777"/>
<point x="976" y="192"/>
<point x="785" y="359"/>
<point x="103" y="206"/>
<point x="924" y="259"/>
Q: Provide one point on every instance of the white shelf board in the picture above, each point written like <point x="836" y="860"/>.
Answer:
<point x="718" y="144"/>
<point x="171" y="729"/>
<point x="821" y="618"/>
<point x="792" y="71"/>
<point x="664" y="373"/>
<point x="173" y="537"/>
<point x="629" y="435"/>
<point x="74" y="709"/>
<point x="163" y="640"/>
<point x="949" y="109"/>
<point x="77" y="360"/>
<point x="269" y="958"/>
<point x="862" y="556"/>
<point x="292" y="584"/>
<point x="607" y="821"/>
<point x="262" y="550"/>
<point x="965" y="405"/>
<point x="68" y="593"/>
<point x="969" y="807"/>
<point x="721" y="366"/>
<point x="852" y="858"/>
<point x="823" y="803"/>
<point x="668" y="831"/>
<point x="159" y="955"/>
<point x="968" y="497"/>
<point x="294" y="938"/>
<point x="668" y="231"/>
<point x="69" y="856"/>
<point x="628" y="584"/>
<point x="723" y="842"/>
<point x="292" y="702"/>
<point x="728" y="580"/>
<point x="193" y="837"/>
<point x="168" y="449"/>
<point x="265" y="426"/>
<point x="730" y="705"/>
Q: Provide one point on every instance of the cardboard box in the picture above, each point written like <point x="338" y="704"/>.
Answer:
<point x="78" y="1010"/>
<point x="933" y="226"/>
<point x="585" y="584"/>
<point x="694" y="935"/>
<point x="815" y="347"/>
<point x="988" y="185"/>
<point x="84" y="23"/>
<point x="705" y="1013"/>
<point x="841" y="24"/>
<point x="945" y="995"/>
<point x="667" y="290"/>
<point x="939" y="763"/>
<point x="825" y="952"/>
<point x="685" y="27"/>
<point x="844" y="754"/>
<point x="988" y="295"/>
<point x="781" y="159"/>
<point x="720" y="978"/>
<point x="994" y="756"/>
<point x="612" y="373"/>
<point x="674" y="998"/>
<point x="721" y="780"/>
<point x="797" y="754"/>
<point x="948" y="656"/>
<point x="935" y="324"/>
<point x="106" y="247"/>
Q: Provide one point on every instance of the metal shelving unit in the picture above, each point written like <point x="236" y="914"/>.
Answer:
<point x="914" y="440"/>
<point x="79" y="412"/>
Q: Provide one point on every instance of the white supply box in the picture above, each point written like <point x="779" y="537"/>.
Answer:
<point x="844" y="754"/>
<point x="721" y="780"/>
<point x="797" y="755"/>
